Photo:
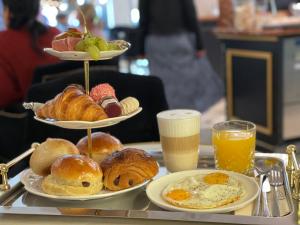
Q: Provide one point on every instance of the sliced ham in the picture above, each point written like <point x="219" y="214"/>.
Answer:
<point x="65" y="44"/>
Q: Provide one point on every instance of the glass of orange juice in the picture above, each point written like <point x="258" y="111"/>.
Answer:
<point x="234" y="145"/>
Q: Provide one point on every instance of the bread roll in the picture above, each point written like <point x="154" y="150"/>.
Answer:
<point x="73" y="175"/>
<point x="127" y="168"/>
<point x="46" y="153"/>
<point x="103" y="145"/>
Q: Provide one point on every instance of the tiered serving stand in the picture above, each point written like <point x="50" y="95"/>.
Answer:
<point x="86" y="58"/>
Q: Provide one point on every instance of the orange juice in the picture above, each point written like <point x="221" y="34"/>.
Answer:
<point x="234" y="150"/>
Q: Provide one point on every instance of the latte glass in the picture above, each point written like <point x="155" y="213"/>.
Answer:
<point x="234" y="145"/>
<point x="179" y="132"/>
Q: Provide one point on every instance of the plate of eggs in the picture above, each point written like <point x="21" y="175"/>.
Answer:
<point x="205" y="191"/>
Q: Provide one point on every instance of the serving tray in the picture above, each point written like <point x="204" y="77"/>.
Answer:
<point x="136" y="205"/>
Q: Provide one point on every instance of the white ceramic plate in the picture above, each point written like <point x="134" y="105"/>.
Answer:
<point x="32" y="183"/>
<point x="155" y="188"/>
<point x="86" y="124"/>
<point x="81" y="56"/>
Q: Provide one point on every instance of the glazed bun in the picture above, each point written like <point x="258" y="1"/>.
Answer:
<point x="127" y="168"/>
<point x="103" y="145"/>
<point x="47" y="152"/>
<point x="73" y="175"/>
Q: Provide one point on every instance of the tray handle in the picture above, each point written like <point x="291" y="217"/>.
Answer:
<point x="4" y="168"/>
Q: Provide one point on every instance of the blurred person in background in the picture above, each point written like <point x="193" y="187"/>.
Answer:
<point x="62" y="22"/>
<point x="93" y="23"/>
<point x="171" y="41"/>
<point x="21" y="47"/>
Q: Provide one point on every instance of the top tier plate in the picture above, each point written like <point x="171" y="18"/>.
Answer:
<point x="83" y="56"/>
<point x="77" y="125"/>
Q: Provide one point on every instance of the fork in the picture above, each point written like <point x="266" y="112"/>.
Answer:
<point x="275" y="181"/>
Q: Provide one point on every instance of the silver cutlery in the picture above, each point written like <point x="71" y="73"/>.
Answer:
<point x="265" y="189"/>
<point x="257" y="205"/>
<point x="276" y="180"/>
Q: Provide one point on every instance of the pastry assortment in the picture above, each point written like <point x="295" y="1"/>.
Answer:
<point x="204" y="191"/>
<point x="73" y="173"/>
<point x="73" y="104"/>
<point x="74" y="40"/>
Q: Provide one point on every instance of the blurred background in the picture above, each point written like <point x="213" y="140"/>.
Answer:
<point x="246" y="64"/>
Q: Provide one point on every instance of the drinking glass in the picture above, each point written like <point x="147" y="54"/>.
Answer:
<point x="234" y="145"/>
<point x="179" y="132"/>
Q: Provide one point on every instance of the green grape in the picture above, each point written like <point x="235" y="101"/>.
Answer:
<point x="89" y="41"/>
<point x="80" y="46"/>
<point x="93" y="52"/>
<point x="101" y="44"/>
<point x="113" y="46"/>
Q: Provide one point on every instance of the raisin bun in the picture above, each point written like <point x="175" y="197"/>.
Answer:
<point x="127" y="168"/>
<point x="73" y="175"/>
<point x="103" y="145"/>
<point x="47" y="152"/>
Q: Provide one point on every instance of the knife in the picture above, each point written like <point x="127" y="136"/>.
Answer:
<point x="265" y="189"/>
<point x="257" y="206"/>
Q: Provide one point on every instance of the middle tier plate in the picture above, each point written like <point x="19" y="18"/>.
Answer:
<point x="32" y="183"/>
<point x="78" y="125"/>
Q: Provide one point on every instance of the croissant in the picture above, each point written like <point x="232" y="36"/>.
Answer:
<point x="72" y="104"/>
<point x="127" y="168"/>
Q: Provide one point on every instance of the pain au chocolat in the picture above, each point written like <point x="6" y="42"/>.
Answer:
<point x="127" y="168"/>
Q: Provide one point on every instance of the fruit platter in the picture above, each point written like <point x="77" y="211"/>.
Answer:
<point x="78" y="46"/>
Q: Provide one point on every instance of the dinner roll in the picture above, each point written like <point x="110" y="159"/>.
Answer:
<point x="46" y="153"/>
<point x="73" y="175"/>
<point x="127" y="168"/>
<point x="103" y="145"/>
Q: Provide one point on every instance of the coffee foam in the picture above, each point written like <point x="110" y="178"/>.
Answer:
<point x="178" y="123"/>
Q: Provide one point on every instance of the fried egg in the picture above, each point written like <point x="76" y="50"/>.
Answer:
<point x="204" y="191"/>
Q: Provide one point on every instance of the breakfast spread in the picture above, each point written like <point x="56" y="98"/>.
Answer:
<point x="204" y="191"/>
<point x="128" y="168"/>
<point x="73" y="175"/>
<point x="103" y="145"/>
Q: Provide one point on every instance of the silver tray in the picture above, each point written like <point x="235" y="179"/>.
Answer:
<point x="135" y="204"/>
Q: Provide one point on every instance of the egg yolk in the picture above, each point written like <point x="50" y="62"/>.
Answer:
<point x="216" y="178"/>
<point x="179" y="194"/>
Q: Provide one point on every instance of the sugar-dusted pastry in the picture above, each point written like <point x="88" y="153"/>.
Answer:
<point x="129" y="105"/>
<point x="104" y="94"/>
<point x="72" y="104"/>
<point x="73" y="175"/>
<point x="127" y="168"/>
<point x="102" y="90"/>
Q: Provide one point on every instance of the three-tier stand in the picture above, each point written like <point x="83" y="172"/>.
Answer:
<point x="78" y="56"/>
